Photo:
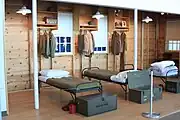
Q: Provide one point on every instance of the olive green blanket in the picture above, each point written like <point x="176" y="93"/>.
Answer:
<point x="73" y="84"/>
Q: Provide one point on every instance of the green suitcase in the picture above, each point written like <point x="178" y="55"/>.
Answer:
<point x="139" y="84"/>
<point x="94" y="104"/>
<point x="172" y="86"/>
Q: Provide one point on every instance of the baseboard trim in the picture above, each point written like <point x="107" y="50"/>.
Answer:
<point x="4" y="113"/>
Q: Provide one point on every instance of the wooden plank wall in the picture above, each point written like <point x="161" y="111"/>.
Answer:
<point x="19" y="49"/>
<point x="162" y="36"/>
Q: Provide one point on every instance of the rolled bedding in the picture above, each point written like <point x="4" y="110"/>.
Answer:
<point x="167" y="71"/>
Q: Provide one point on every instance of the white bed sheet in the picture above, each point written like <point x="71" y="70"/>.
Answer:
<point x="121" y="77"/>
<point x="44" y="78"/>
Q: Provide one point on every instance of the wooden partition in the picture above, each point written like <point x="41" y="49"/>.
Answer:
<point x="19" y="45"/>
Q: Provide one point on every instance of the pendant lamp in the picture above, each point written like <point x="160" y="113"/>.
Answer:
<point x="24" y="11"/>
<point x="147" y="19"/>
<point x="98" y="15"/>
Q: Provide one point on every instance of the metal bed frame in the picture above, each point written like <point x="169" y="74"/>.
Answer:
<point x="124" y="86"/>
<point x="73" y="92"/>
<point x="165" y="78"/>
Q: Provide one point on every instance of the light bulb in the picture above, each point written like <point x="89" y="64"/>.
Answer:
<point x="23" y="13"/>
<point x="98" y="15"/>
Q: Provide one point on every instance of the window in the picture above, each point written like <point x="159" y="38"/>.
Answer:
<point x="63" y="45"/>
<point x="101" y="36"/>
<point x="64" y="34"/>
<point x="173" y="45"/>
<point x="172" y="35"/>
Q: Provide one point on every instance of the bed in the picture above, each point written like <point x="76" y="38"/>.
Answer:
<point x="168" y="73"/>
<point x="73" y="85"/>
<point x="105" y="75"/>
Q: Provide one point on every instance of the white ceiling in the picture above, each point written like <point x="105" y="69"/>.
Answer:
<point x="167" y="6"/>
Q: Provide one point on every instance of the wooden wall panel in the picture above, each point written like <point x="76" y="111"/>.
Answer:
<point x="64" y="62"/>
<point x="162" y="34"/>
<point x="16" y="44"/>
<point x="19" y="49"/>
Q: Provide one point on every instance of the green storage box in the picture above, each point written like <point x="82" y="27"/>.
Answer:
<point x="172" y="86"/>
<point x="139" y="83"/>
<point x="96" y="103"/>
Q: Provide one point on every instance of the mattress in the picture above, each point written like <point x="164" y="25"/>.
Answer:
<point x="73" y="84"/>
<point x="100" y="74"/>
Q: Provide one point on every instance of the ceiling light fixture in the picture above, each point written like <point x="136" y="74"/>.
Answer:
<point x="147" y="19"/>
<point x="24" y="11"/>
<point x="162" y="13"/>
<point x="98" y="15"/>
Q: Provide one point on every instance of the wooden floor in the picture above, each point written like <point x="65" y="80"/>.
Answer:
<point x="51" y="100"/>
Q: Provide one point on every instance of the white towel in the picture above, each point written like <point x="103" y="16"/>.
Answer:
<point x="121" y="77"/>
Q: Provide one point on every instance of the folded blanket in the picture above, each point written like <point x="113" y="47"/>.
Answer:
<point x="121" y="77"/>
<point x="163" y="64"/>
<point x="170" y="70"/>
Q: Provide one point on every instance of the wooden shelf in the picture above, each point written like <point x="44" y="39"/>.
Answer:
<point x="86" y="22"/>
<point x="94" y="29"/>
<point x="47" y="12"/>
<point x="120" y="18"/>
<point x="50" y="26"/>
<point x="121" y="23"/>
<point x="125" y="30"/>
<point x="119" y="27"/>
<point x="89" y="27"/>
<point x="47" y="24"/>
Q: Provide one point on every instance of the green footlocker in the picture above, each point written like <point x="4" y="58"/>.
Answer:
<point x="139" y="83"/>
<point x="96" y="104"/>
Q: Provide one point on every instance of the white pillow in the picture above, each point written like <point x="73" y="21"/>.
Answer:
<point x="161" y="65"/>
<point x="54" y="73"/>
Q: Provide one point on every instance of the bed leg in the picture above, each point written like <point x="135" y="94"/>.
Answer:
<point x="39" y="85"/>
<point x="126" y="92"/>
<point x="89" y="79"/>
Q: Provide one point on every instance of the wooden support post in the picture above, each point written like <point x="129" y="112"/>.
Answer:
<point x="90" y="61"/>
<point x="142" y="47"/>
<point x="114" y="62"/>
<point x="80" y="63"/>
<point x="75" y="31"/>
<point x="157" y="36"/>
<point x="148" y="57"/>
<point x="51" y="63"/>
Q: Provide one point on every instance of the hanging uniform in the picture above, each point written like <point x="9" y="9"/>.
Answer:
<point x="123" y="49"/>
<point x="116" y="43"/>
<point x="123" y="42"/>
<point x="80" y="43"/>
<point x="47" y="45"/>
<point x="89" y="44"/>
<point x="44" y="41"/>
<point x="52" y="45"/>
